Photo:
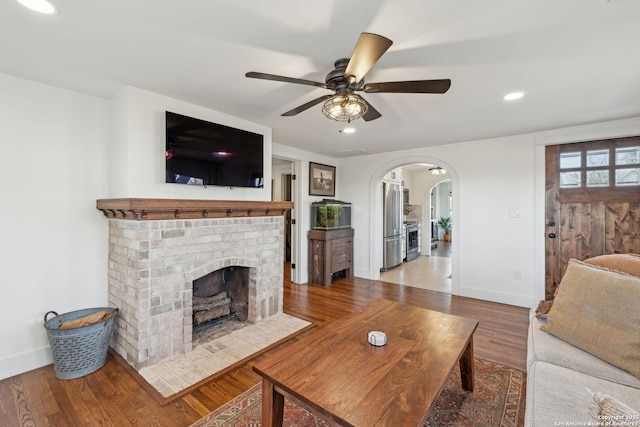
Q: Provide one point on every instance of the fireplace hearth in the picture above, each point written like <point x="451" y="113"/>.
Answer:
<point x="154" y="263"/>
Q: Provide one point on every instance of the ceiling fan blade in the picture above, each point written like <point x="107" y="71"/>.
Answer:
<point x="371" y="113"/>
<point x="410" y="86"/>
<point x="264" y="76"/>
<point x="368" y="50"/>
<point x="306" y="106"/>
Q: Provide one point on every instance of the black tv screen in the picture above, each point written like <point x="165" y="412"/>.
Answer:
<point x="204" y="153"/>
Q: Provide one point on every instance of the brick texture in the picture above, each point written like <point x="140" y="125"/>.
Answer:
<point x="152" y="266"/>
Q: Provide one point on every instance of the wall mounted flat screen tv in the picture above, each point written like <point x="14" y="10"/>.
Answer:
<point x="204" y="153"/>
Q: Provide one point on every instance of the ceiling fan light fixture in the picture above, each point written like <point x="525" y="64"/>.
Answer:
<point x="347" y="77"/>
<point x="344" y="107"/>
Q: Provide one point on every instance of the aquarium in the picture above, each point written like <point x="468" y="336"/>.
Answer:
<point x="329" y="214"/>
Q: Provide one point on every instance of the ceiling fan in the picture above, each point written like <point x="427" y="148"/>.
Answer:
<point x="348" y="77"/>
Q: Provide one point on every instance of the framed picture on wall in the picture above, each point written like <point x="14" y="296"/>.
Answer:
<point x="322" y="180"/>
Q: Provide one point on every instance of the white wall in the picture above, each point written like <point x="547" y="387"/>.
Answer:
<point x="53" y="240"/>
<point x="489" y="178"/>
<point x="63" y="150"/>
<point x="137" y="162"/>
<point x="302" y="202"/>
<point x="481" y="225"/>
<point x="407" y="184"/>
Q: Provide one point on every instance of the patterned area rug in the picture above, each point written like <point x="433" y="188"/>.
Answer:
<point x="497" y="401"/>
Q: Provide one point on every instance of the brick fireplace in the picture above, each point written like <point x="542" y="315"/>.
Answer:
<point x="158" y="247"/>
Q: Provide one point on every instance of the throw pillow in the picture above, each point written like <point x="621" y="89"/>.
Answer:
<point x="596" y="309"/>
<point x="605" y="409"/>
<point x="629" y="263"/>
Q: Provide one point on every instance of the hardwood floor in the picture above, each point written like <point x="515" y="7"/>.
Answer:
<point x="112" y="397"/>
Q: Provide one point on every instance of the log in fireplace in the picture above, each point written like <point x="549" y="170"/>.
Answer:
<point x="221" y="293"/>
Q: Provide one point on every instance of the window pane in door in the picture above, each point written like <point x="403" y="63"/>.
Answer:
<point x="628" y="176"/>
<point x="570" y="160"/>
<point x="598" y="178"/>
<point x="570" y="179"/>
<point x="628" y="156"/>
<point x="597" y="158"/>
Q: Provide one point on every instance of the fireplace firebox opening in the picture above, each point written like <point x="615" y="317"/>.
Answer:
<point x="220" y="294"/>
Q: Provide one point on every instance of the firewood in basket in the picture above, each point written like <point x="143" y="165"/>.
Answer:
<point x="90" y="319"/>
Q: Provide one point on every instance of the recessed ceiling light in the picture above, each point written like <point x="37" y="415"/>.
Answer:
<point x="513" y="96"/>
<point x="40" y="6"/>
<point x="347" y="130"/>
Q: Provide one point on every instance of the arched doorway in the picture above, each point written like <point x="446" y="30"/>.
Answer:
<point x="428" y="195"/>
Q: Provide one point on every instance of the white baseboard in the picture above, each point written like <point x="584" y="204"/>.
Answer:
<point x="25" y="362"/>
<point x="361" y="272"/>
<point x="518" y="300"/>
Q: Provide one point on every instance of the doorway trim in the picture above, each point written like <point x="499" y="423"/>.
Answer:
<point x="296" y="235"/>
<point x="375" y="215"/>
<point x="428" y="199"/>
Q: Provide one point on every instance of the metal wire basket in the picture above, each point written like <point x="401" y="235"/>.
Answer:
<point x="79" y="351"/>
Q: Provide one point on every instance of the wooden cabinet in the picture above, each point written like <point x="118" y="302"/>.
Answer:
<point x="330" y="251"/>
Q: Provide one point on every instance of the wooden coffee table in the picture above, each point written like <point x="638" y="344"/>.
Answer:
<point x="338" y="375"/>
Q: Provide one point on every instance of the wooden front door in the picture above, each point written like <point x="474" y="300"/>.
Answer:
<point x="592" y="203"/>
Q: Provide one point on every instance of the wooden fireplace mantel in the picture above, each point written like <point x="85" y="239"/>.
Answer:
<point x="157" y="209"/>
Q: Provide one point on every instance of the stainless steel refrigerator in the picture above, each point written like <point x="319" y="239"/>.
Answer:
<point x="392" y="223"/>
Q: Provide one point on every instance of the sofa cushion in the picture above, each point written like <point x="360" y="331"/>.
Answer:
<point x="628" y="263"/>
<point x="547" y="348"/>
<point x="596" y="309"/>
<point x="557" y="395"/>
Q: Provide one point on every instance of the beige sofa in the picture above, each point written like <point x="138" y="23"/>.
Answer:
<point x="584" y="369"/>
